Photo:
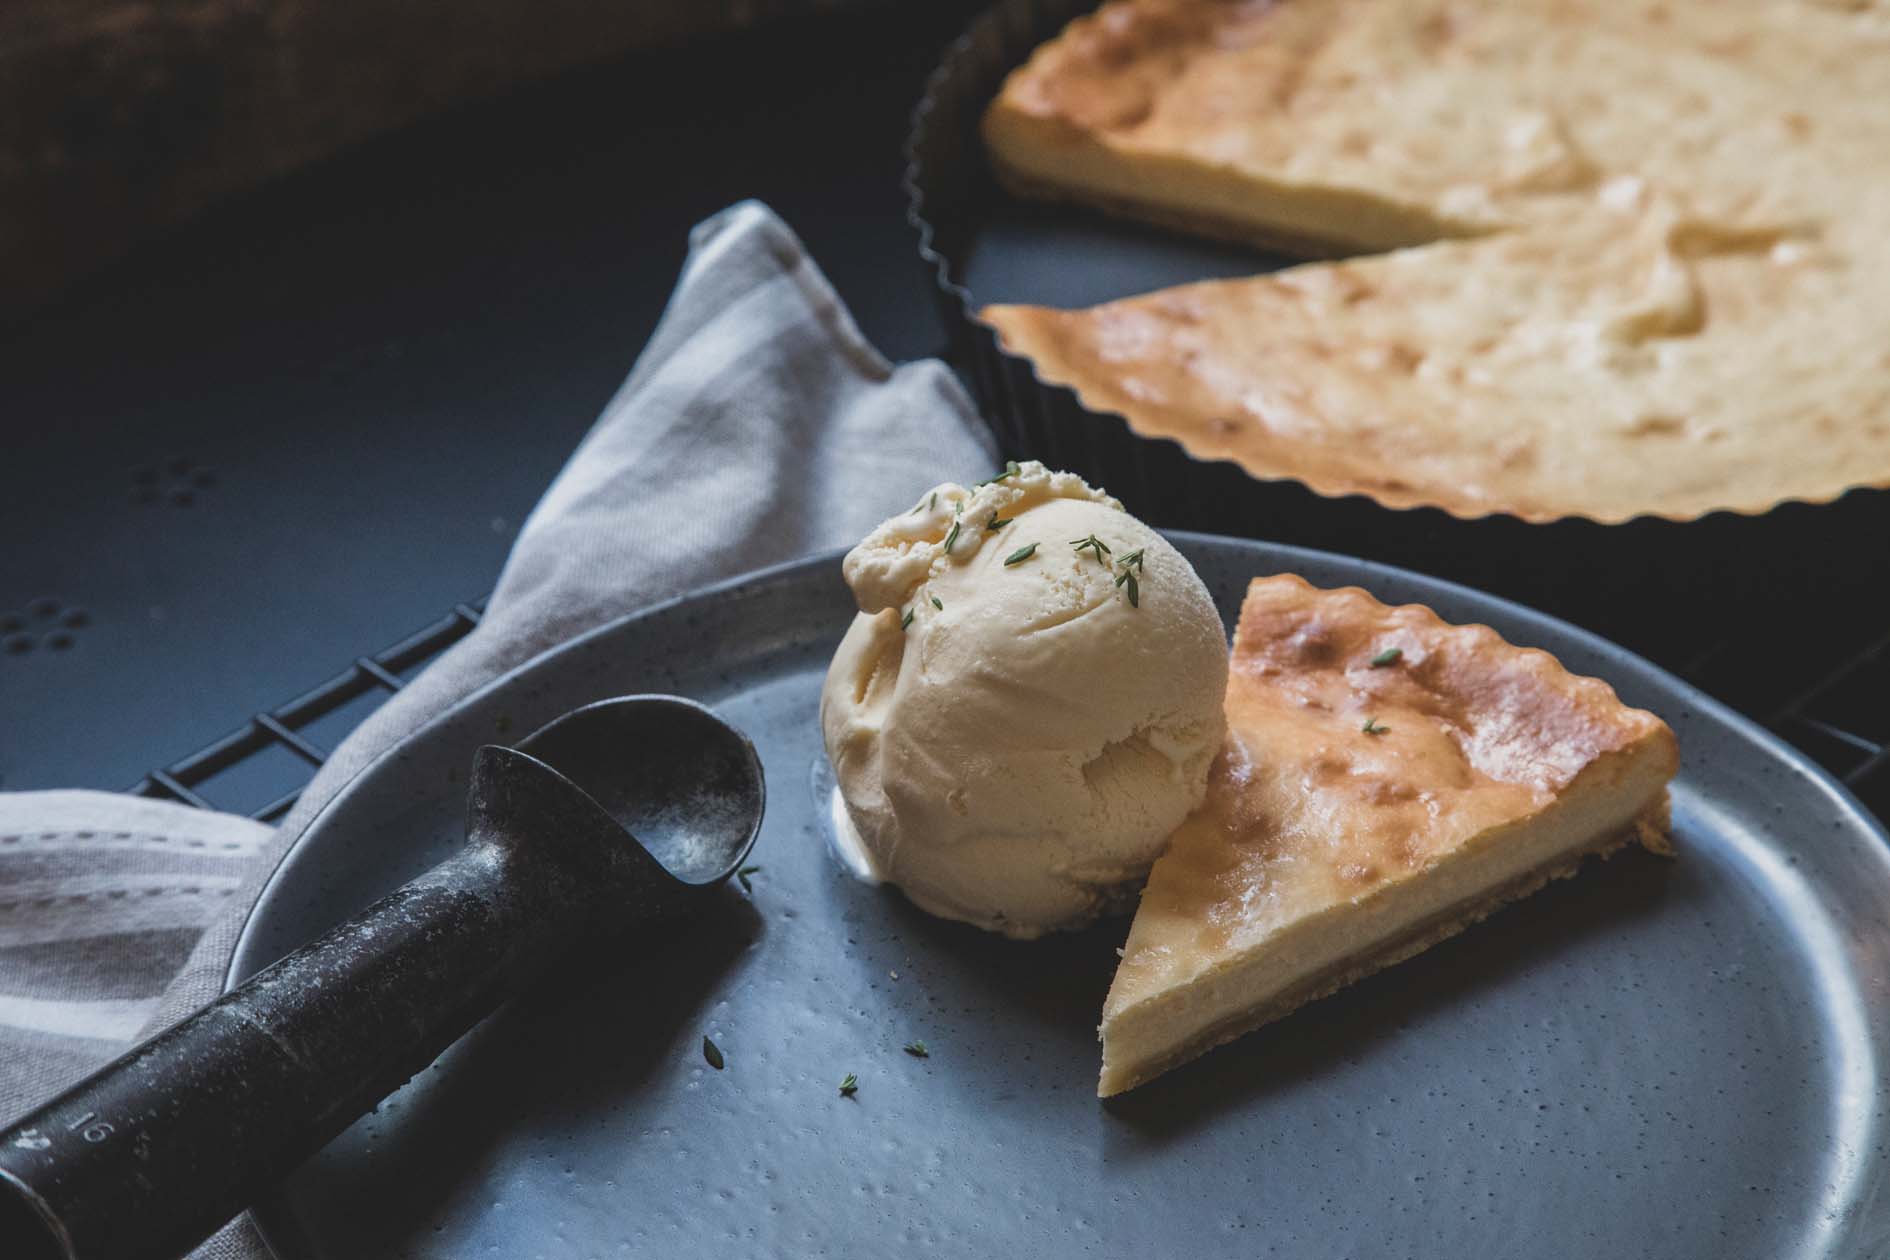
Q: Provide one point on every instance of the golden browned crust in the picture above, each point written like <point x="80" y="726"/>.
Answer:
<point x="1475" y="710"/>
<point x="1346" y="782"/>
<point x="1104" y="71"/>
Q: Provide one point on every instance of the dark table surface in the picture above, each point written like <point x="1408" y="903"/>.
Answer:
<point x="313" y="421"/>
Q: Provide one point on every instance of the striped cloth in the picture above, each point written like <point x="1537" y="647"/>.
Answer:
<point x="102" y="898"/>
<point x="757" y="426"/>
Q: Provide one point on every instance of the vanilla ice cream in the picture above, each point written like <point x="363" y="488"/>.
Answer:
<point x="1027" y="704"/>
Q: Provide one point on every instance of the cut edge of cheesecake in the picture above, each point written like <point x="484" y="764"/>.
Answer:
<point x="1037" y="161"/>
<point x="1124" y="1069"/>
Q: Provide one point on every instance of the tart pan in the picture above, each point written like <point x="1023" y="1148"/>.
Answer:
<point x="1657" y="583"/>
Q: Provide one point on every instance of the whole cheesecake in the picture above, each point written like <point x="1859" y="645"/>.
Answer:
<point x="1623" y="258"/>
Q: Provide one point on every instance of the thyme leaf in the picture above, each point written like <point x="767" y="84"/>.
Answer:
<point x="1010" y="470"/>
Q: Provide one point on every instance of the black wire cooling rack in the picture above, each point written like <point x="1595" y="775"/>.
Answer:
<point x="1835" y="706"/>
<point x="192" y="779"/>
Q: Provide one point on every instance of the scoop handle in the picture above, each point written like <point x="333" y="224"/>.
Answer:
<point x="153" y="1152"/>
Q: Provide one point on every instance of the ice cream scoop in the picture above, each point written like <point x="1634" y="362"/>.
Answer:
<point x="1026" y="705"/>
<point x="623" y="815"/>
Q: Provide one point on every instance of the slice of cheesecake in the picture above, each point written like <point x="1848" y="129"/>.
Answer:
<point x="1387" y="780"/>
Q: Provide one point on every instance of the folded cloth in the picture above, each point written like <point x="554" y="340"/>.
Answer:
<point x="757" y="426"/>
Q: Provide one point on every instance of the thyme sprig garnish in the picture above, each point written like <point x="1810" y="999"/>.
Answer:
<point x="905" y="622"/>
<point x="743" y="875"/>
<point x="849" y="1085"/>
<point x="1127" y="566"/>
<point x="712" y="1053"/>
<point x="1022" y="554"/>
<point x="1374" y="727"/>
<point x="1010" y="470"/>
<point x="917" y="1050"/>
<point x="997" y="522"/>
<point x="1390" y="656"/>
<point x="1095" y="546"/>
<point x="1134" y="588"/>
<point x="951" y="538"/>
<point x="936" y="604"/>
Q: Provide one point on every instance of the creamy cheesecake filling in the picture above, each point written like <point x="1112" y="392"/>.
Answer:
<point x="1608" y="805"/>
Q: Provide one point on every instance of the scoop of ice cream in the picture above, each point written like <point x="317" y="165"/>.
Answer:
<point x="1028" y="702"/>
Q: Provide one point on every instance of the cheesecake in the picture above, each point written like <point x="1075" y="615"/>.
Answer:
<point x="1591" y="259"/>
<point x="1387" y="779"/>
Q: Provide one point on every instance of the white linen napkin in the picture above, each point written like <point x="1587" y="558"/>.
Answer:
<point x="757" y="426"/>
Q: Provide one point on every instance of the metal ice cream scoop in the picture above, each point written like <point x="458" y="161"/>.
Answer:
<point x="615" y="816"/>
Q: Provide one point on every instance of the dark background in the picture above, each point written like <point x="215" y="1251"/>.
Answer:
<point x="313" y="420"/>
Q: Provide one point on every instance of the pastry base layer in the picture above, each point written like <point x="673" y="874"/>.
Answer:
<point x="1118" y="1076"/>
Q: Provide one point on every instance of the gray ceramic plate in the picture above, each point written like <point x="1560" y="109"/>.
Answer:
<point x="1656" y="1059"/>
